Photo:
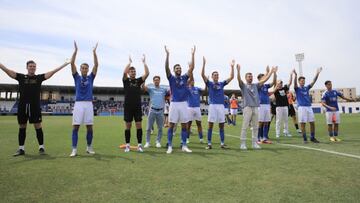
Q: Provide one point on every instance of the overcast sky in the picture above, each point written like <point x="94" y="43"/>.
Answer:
<point x="254" y="33"/>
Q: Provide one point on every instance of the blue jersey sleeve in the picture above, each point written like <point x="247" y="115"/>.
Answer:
<point x="339" y="94"/>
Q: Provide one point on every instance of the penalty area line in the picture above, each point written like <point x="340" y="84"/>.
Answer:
<point x="305" y="147"/>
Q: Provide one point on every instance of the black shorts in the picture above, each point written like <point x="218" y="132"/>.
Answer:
<point x="291" y="110"/>
<point x="132" y="113"/>
<point x="31" y="112"/>
<point x="273" y="109"/>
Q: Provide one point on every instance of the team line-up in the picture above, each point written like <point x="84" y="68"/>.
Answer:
<point x="184" y="106"/>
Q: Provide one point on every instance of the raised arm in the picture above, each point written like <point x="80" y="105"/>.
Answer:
<point x="206" y="79"/>
<point x="295" y="79"/>
<point x="96" y="63"/>
<point x="9" y="72"/>
<point x="232" y="64"/>
<point x="316" y="77"/>
<point x="274" y="77"/>
<point x="192" y="63"/>
<point x="266" y="77"/>
<point x="146" y="69"/>
<point x="73" y="66"/>
<point x="126" y="70"/>
<point x="191" y="76"/>
<point x="241" y="83"/>
<point x="51" y="73"/>
<point x="167" y="68"/>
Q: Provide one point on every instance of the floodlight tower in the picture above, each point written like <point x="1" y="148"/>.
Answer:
<point x="299" y="58"/>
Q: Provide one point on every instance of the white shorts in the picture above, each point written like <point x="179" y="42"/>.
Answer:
<point x="194" y="113"/>
<point x="216" y="113"/>
<point x="178" y="113"/>
<point x="83" y="113"/>
<point x="226" y="111"/>
<point x="305" y="114"/>
<point x="264" y="113"/>
<point x="233" y="111"/>
<point x="332" y="117"/>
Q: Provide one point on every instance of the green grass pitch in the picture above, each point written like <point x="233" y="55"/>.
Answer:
<point x="277" y="173"/>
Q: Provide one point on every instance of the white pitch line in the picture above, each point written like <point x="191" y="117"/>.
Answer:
<point x="305" y="147"/>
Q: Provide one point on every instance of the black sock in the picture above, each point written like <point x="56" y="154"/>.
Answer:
<point x="127" y="136"/>
<point x="40" y="136"/>
<point x="297" y="126"/>
<point x="139" y="135"/>
<point x="22" y="136"/>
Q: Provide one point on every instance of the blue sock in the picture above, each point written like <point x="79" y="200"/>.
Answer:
<point x="260" y="133"/>
<point x="266" y="132"/>
<point x="209" y="134"/>
<point x="75" y="138"/>
<point x="184" y="134"/>
<point x="312" y="136"/>
<point x="222" y="135"/>
<point x="331" y="133"/>
<point x="304" y="136"/>
<point x="170" y="136"/>
<point x="335" y="133"/>
<point x="89" y="137"/>
<point x="201" y="135"/>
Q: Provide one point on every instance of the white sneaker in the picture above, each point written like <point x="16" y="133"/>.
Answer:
<point x="127" y="148"/>
<point x="243" y="147"/>
<point x="288" y="135"/>
<point x="158" y="145"/>
<point x="186" y="149"/>
<point x="277" y="136"/>
<point x="147" y="145"/>
<point x="201" y="141"/>
<point x="73" y="153"/>
<point x="298" y="131"/>
<point x="187" y="141"/>
<point x="140" y="149"/>
<point x="255" y="146"/>
<point x="90" y="150"/>
<point x="169" y="150"/>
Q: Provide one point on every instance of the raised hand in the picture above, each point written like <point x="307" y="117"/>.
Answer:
<point x="166" y="50"/>
<point x="204" y="60"/>
<point x="130" y="60"/>
<point x="75" y="46"/>
<point x="267" y="68"/>
<point x="238" y="67"/>
<point x="319" y="70"/>
<point x="94" y="50"/>
<point x="193" y="50"/>
<point x="143" y="59"/>
<point x="232" y="64"/>
<point x="274" y="69"/>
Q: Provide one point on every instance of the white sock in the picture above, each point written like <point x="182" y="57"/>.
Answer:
<point x="41" y="146"/>
<point x="22" y="147"/>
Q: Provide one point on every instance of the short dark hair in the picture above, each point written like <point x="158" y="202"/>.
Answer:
<point x="176" y="65"/>
<point x="327" y="82"/>
<point x="248" y="74"/>
<point x="30" y="62"/>
<point x="301" y="77"/>
<point x="260" y="76"/>
<point x="85" y="64"/>
<point x="156" y="76"/>
<point x="132" y="68"/>
<point x="214" y="73"/>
